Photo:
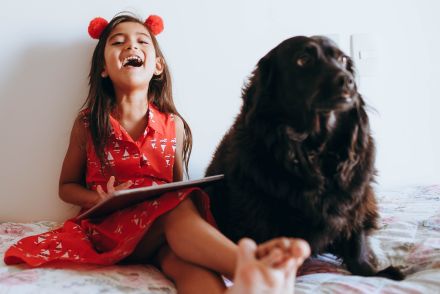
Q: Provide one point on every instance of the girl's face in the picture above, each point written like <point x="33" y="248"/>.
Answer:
<point x="130" y="57"/>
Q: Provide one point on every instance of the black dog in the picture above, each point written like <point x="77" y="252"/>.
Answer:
<point x="299" y="159"/>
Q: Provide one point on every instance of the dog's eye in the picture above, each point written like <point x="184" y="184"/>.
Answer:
<point x="343" y="59"/>
<point x="304" y="60"/>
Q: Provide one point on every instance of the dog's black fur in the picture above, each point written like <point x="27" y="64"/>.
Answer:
<point x="299" y="159"/>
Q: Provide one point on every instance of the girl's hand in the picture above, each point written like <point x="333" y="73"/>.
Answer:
<point x="111" y="188"/>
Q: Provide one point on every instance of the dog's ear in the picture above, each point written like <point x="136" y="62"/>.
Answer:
<point x="359" y="144"/>
<point x="259" y="88"/>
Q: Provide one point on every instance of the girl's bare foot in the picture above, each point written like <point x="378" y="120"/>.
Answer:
<point x="270" y="267"/>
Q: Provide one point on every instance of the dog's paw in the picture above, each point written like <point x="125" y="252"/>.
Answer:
<point x="392" y="273"/>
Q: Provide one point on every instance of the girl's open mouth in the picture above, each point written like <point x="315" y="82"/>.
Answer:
<point x="134" y="61"/>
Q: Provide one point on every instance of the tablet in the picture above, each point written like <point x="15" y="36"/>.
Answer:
<point x="125" y="198"/>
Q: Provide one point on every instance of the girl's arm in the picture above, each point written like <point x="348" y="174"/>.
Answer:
<point x="72" y="179"/>
<point x="178" y="159"/>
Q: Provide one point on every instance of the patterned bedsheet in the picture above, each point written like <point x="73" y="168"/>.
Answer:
<point x="409" y="238"/>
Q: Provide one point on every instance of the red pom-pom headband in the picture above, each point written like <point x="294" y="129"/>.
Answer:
<point x="97" y="25"/>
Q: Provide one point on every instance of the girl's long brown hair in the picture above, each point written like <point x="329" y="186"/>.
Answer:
<point x="101" y="98"/>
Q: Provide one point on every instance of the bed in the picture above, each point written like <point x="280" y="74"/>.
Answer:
<point x="409" y="238"/>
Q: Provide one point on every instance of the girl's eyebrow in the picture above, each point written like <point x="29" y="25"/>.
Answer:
<point x="122" y="34"/>
<point x="146" y="35"/>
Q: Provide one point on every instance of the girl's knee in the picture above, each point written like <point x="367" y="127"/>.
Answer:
<point x="186" y="206"/>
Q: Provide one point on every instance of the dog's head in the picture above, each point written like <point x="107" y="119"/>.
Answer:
<point x="300" y="77"/>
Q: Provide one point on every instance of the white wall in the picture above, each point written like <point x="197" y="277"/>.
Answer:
<point x="211" y="46"/>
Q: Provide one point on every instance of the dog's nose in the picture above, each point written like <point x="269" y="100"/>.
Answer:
<point x="344" y="82"/>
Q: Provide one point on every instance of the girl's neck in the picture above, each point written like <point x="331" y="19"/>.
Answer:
<point x="131" y="106"/>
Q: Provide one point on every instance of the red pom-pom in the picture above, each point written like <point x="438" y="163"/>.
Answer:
<point x="96" y="26"/>
<point x="155" y="24"/>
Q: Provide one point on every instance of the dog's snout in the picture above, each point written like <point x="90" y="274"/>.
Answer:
<point x="344" y="82"/>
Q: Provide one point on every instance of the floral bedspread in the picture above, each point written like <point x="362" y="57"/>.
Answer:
<point x="409" y="238"/>
<point x="73" y="278"/>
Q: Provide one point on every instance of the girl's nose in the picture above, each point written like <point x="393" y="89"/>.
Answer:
<point x="132" y="45"/>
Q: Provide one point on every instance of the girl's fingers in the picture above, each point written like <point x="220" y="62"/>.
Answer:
<point x="100" y="191"/>
<point x="110" y="185"/>
<point x="124" y="186"/>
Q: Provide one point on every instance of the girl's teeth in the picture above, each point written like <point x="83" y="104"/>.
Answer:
<point x="132" y="59"/>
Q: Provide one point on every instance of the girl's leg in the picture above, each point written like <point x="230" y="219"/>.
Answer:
<point x="196" y="247"/>
<point x="273" y="273"/>
<point x="192" y="239"/>
<point x="188" y="277"/>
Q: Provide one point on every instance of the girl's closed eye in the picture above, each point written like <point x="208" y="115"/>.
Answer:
<point x="143" y="41"/>
<point x="116" y="39"/>
<point x="117" y="42"/>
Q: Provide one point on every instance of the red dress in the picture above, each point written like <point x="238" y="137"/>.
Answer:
<point x="147" y="161"/>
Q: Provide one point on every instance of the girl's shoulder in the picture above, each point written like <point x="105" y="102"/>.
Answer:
<point x="80" y="127"/>
<point x="82" y="123"/>
<point x="83" y="117"/>
<point x="178" y="123"/>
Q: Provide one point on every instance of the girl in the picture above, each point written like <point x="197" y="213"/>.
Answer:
<point x="131" y="135"/>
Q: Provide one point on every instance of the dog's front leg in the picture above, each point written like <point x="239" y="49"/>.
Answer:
<point x="356" y="255"/>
